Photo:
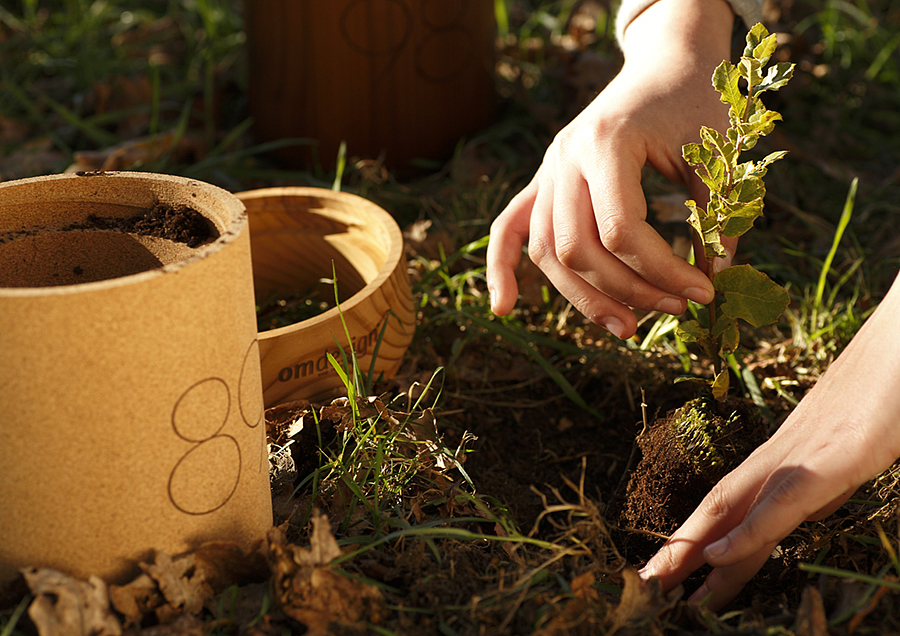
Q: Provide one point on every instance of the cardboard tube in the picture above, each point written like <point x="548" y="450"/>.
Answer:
<point x="131" y="413"/>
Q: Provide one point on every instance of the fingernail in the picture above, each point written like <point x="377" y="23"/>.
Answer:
<point x="698" y="295"/>
<point x="670" y="306"/>
<point x="646" y="573"/>
<point x="722" y="263"/>
<point x="717" y="549"/>
<point x="699" y="596"/>
<point x="615" y="326"/>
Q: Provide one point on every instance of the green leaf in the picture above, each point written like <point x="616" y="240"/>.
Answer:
<point x="707" y="228"/>
<point x="755" y="36"/>
<point x="748" y="189"/>
<point x="750" y="295"/>
<point x="763" y="122"/>
<point x="726" y="331"/>
<point x="763" y="51"/>
<point x="776" y="77"/>
<point x="725" y="80"/>
<point x="751" y="71"/>
<point x="691" y="331"/>
<point x="770" y="159"/>
<point x="714" y="140"/>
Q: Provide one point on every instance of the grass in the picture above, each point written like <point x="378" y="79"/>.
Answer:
<point x="513" y="532"/>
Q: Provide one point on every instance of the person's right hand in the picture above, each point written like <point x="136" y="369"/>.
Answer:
<point x="583" y="215"/>
<point x="845" y="431"/>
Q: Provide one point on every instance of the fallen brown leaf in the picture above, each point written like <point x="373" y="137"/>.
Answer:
<point x="642" y="603"/>
<point x="64" y="606"/>
<point x="811" y="620"/>
<point x="309" y="590"/>
<point x="168" y="588"/>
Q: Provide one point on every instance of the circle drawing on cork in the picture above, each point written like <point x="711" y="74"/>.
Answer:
<point x="199" y="416"/>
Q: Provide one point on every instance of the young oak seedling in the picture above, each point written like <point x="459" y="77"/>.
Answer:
<point x="736" y="193"/>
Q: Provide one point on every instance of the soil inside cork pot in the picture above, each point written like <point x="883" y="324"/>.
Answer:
<point x="80" y="252"/>
<point x="684" y="454"/>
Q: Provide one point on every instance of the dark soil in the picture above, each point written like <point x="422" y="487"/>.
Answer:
<point x="675" y="474"/>
<point x="283" y="309"/>
<point x="178" y="223"/>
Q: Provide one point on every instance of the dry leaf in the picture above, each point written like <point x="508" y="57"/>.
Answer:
<point x="642" y="603"/>
<point x="169" y="587"/>
<point x="186" y="625"/>
<point x="580" y="615"/>
<point x="309" y="591"/>
<point x="64" y="606"/>
<point x="181" y="584"/>
<point x="136" y="599"/>
<point x="811" y="620"/>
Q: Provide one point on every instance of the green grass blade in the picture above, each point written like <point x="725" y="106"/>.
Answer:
<point x="523" y="343"/>
<point x="838" y="234"/>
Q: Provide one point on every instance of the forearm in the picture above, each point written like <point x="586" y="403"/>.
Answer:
<point x="696" y="33"/>
<point x="750" y="11"/>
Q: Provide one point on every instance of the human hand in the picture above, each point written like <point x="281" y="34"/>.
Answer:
<point x="843" y="433"/>
<point x="584" y="214"/>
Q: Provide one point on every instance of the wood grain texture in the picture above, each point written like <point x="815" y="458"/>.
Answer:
<point x="406" y="78"/>
<point x="296" y="235"/>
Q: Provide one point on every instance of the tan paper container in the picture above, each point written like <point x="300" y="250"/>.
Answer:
<point x="297" y="233"/>
<point x="131" y="405"/>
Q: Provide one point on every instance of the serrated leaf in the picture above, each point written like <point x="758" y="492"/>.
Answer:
<point x="691" y="331"/>
<point x="763" y="122"/>
<point x="714" y="140"/>
<point x="695" y="154"/>
<point x="707" y="228"/>
<point x="751" y="71"/>
<point x="763" y="51"/>
<point x="736" y="226"/>
<point x="709" y="167"/>
<point x="756" y="35"/>
<point x="770" y="159"/>
<point x="776" y="77"/>
<point x="747" y="188"/>
<point x="750" y="295"/>
<point x="725" y="80"/>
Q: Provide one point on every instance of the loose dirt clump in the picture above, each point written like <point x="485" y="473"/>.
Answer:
<point x="178" y="223"/>
<point x="684" y="454"/>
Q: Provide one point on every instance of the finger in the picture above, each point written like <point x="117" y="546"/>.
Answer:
<point x="787" y="498"/>
<point x="719" y="263"/>
<point x="621" y="212"/>
<point x="724" y="507"/>
<point x="723" y="584"/>
<point x="578" y="248"/>
<point x="509" y="233"/>
<point x="593" y="303"/>
<point x="828" y="510"/>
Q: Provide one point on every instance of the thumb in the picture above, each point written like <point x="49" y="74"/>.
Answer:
<point x="718" y="263"/>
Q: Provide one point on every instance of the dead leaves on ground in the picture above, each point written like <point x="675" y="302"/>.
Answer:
<point x="64" y="606"/>
<point x="309" y="590"/>
<point x="176" y="596"/>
